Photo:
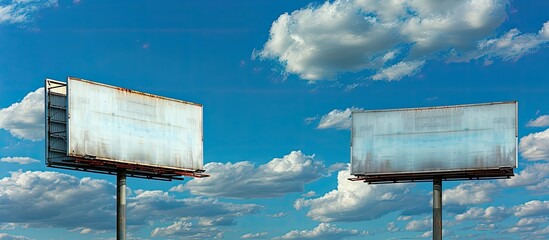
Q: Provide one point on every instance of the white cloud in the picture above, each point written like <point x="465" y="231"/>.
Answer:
<point x="338" y="119"/>
<point x="404" y="218"/>
<point x="509" y="47"/>
<point x="469" y="193"/>
<point x="5" y="236"/>
<point x="254" y="235"/>
<point x="244" y="180"/>
<point x="544" y="231"/>
<point x="419" y="225"/>
<point x="531" y="221"/>
<point x="391" y="227"/>
<point x="490" y="214"/>
<point x="25" y="119"/>
<point x="320" y="41"/>
<point x="541" y="121"/>
<point x="148" y="206"/>
<point x="20" y="160"/>
<point x="51" y="199"/>
<point x="309" y="194"/>
<point x="485" y="227"/>
<point x="322" y="231"/>
<point x="533" y="176"/>
<point x="278" y="215"/>
<point x="535" y="146"/>
<point x="357" y="201"/>
<point x="186" y="230"/>
<point x="532" y="208"/>
<point x="428" y="234"/>
<point x="22" y="11"/>
<point x="398" y="71"/>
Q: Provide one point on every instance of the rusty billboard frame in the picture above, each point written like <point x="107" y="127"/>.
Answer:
<point x="445" y="174"/>
<point x="56" y="132"/>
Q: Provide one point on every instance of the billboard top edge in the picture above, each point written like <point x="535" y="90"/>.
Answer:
<point x="131" y="91"/>
<point x="55" y="81"/>
<point x="436" y="107"/>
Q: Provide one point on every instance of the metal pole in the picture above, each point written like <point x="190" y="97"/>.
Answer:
<point x="437" y="209"/>
<point x="121" y="204"/>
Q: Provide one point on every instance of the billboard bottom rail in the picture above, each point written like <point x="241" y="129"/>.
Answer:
<point x="485" y="174"/>
<point x="132" y="170"/>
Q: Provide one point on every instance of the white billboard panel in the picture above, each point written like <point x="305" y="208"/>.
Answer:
<point x="116" y="124"/>
<point x="437" y="139"/>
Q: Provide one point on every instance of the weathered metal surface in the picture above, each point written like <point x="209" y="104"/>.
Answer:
<point x="430" y="140"/>
<point x="129" y="127"/>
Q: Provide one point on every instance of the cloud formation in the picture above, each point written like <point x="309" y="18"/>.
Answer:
<point x="535" y="146"/>
<point x="187" y="230"/>
<point x="357" y="201"/>
<point x="533" y="176"/>
<point x="19" y="160"/>
<point x="509" y="47"/>
<point x="254" y="235"/>
<point x="490" y="214"/>
<point x="25" y="119"/>
<point x="541" y="121"/>
<point x="244" y="180"/>
<point x="532" y="209"/>
<point x="338" y="119"/>
<point x="50" y="199"/>
<point x="5" y="236"/>
<point x="392" y="39"/>
<point x="322" y="231"/>
<point x="469" y="193"/>
<point x="22" y="11"/>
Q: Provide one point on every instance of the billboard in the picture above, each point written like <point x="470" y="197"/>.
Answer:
<point x="433" y="140"/>
<point x="89" y="122"/>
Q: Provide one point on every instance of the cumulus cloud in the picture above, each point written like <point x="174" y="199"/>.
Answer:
<point x="244" y="180"/>
<point x="509" y="47"/>
<point x="532" y="208"/>
<point x="357" y="201"/>
<point x="404" y="218"/>
<point x="391" y="227"/>
<point x="22" y="11"/>
<point x="419" y="225"/>
<point x="19" y="160"/>
<point x="278" y="215"/>
<point x="533" y="176"/>
<point x="254" y="235"/>
<point x="187" y="230"/>
<point x="51" y="199"/>
<point x="392" y="39"/>
<point x="490" y="214"/>
<point x="309" y="194"/>
<point x="338" y="119"/>
<point x="531" y="221"/>
<point x="535" y="146"/>
<point x="469" y="193"/>
<point x="398" y="71"/>
<point x="322" y="231"/>
<point x="542" y="232"/>
<point x="25" y="119"/>
<point x="5" y="236"/>
<point x="541" y="121"/>
<point x="147" y="206"/>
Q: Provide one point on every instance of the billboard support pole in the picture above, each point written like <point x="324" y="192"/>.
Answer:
<point x="121" y="204"/>
<point x="437" y="208"/>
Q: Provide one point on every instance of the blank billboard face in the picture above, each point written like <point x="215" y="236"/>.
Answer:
<point x="110" y="123"/>
<point x="423" y="140"/>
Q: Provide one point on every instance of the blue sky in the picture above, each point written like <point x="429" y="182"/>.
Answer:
<point x="278" y="80"/>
